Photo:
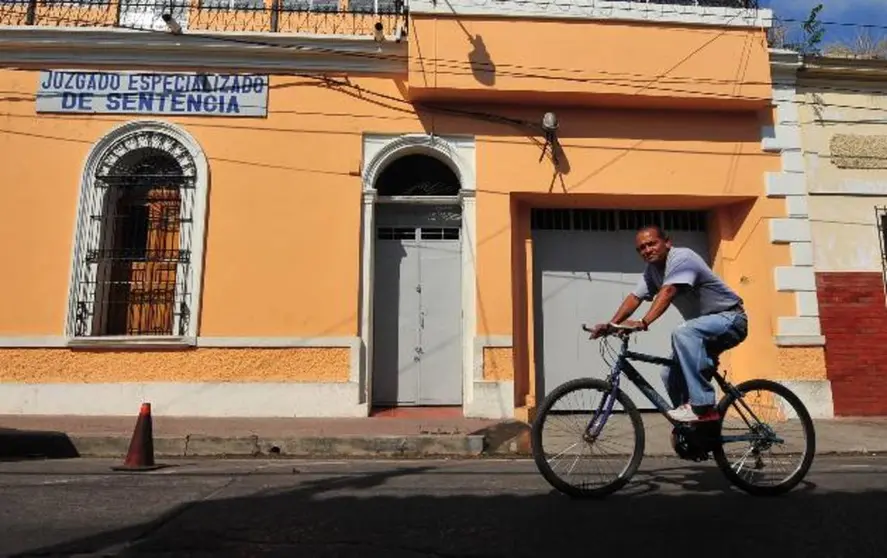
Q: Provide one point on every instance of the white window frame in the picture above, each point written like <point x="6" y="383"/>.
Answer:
<point x="97" y="156"/>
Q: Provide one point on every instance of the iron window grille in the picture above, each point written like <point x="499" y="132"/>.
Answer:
<point x="132" y="274"/>
<point x="418" y="233"/>
<point x="617" y="220"/>
<point x="881" y="221"/>
<point x="418" y="175"/>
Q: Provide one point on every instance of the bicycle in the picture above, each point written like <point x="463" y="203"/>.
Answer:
<point x="695" y="442"/>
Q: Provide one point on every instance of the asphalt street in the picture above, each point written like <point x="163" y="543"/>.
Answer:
<point x="401" y="509"/>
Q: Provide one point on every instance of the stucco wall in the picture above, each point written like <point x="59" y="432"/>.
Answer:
<point x="39" y="366"/>
<point x="846" y="117"/>
<point x="282" y="252"/>
<point x="282" y="241"/>
<point x="845" y="145"/>
<point x="845" y="232"/>
<point x="845" y="137"/>
<point x="498" y="363"/>
<point x="632" y="63"/>
<point x="655" y="159"/>
<point x="275" y="266"/>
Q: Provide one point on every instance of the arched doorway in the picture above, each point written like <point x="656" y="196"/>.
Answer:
<point x="417" y="284"/>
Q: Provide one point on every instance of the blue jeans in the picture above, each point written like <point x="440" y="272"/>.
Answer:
<point x="694" y="343"/>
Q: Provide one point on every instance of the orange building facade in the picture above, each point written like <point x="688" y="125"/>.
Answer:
<point x="283" y="212"/>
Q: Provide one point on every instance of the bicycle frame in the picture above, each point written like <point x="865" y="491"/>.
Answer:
<point x="623" y="366"/>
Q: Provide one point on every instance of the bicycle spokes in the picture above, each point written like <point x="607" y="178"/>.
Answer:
<point x="586" y="439"/>
<point x="763" y="443"/>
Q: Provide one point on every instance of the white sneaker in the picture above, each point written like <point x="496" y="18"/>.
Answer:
<point x="685" y="413"/>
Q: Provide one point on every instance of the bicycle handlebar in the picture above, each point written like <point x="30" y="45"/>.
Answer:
<point x="611" y="327"/>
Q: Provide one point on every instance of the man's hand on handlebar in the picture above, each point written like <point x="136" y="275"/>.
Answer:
<point x="605" y="329"/>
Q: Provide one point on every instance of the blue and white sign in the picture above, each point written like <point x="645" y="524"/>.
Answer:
<point x="183" y="94"/>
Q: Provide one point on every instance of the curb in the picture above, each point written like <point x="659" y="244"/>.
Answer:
<point x="314" y="446"/>
<point x="355" y="447"/>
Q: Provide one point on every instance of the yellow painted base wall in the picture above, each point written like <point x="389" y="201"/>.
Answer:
<point x="498" y="363"/>
<point x="800" y="363"/>
<point x="196" y="365"/>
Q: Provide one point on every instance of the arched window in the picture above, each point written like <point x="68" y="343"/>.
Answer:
<point x="137" y="240"/>
<point x="417" y="175"/>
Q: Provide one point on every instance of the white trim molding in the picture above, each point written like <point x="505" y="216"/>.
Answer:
<point x="802" y="329"/>
<point x="132" y="135"/>
<point x="491" y="398"/>
<point x="116" y="48"/>
<point x="181" y="399"/>
<point x="458" y="153"/>
<point x="33" y="342"/>
<point x="816" y="396"/>
<point x="596" y="10"/>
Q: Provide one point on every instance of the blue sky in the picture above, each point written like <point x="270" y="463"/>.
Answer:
<point x="872" y="12"/>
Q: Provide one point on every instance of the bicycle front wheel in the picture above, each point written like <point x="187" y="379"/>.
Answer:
<point x="767" y="438"/>
<point x="562" y="451"/>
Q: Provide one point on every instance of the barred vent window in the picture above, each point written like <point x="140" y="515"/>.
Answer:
<point x="416" y="233"/>
<point x="616" y="220"/>
<point x="133" y="257"/>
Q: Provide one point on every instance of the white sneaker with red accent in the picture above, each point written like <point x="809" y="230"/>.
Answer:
<point x="685" y="413"/>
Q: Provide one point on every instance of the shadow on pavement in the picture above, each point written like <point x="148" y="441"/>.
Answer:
<point x="498" y="437"/>
<point x="35" y="444"/>
<point x="361" y="516"/>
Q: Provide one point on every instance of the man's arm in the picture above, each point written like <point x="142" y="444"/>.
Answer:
<point x="626" y="309"/>
<point x="682" y="274"/>
<point x="660" y="304"/>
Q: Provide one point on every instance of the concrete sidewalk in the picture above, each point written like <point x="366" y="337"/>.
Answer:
<point x="72" y="436"/>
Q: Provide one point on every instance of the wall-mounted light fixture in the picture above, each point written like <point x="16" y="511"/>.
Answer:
<point x="400" y="31"/>
<point x="172" y="24"/>
<point x="549" y="128"/>
<point x="549" y="123"/>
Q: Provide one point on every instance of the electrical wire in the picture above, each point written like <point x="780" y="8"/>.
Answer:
<point x="457" y="67"/>
<point x="648" y="81"/>
<point x="531" y="71"/>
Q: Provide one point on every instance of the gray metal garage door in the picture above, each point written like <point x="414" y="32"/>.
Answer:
<point x="417" y="306"/>
<point x="585" y="264"/>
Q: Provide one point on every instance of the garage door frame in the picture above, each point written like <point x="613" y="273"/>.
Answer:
<point x="569" y="224"/>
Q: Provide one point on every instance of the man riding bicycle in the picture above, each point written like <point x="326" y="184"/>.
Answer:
<point x="715" y="320"/>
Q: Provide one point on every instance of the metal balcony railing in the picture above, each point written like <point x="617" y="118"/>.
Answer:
<point x="327" y="17"/>
<point x="746" y="4"/>
<point x="345" y="17"/>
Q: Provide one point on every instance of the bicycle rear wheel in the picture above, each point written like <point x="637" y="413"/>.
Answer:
<point x="768" y="429"/>
<point x="568" y="410"/>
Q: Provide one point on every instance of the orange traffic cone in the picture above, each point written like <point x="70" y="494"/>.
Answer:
<point x="140" y="456"/>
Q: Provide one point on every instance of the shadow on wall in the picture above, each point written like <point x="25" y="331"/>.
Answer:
<point x="602" y="122"/>
<point x="732" y="219"/>
<point x="377" y="514"/>
<point x="482" y="66"/>
<point x="34" y="444"/>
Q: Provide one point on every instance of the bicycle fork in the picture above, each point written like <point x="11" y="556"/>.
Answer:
<point x="605" y="408"/>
